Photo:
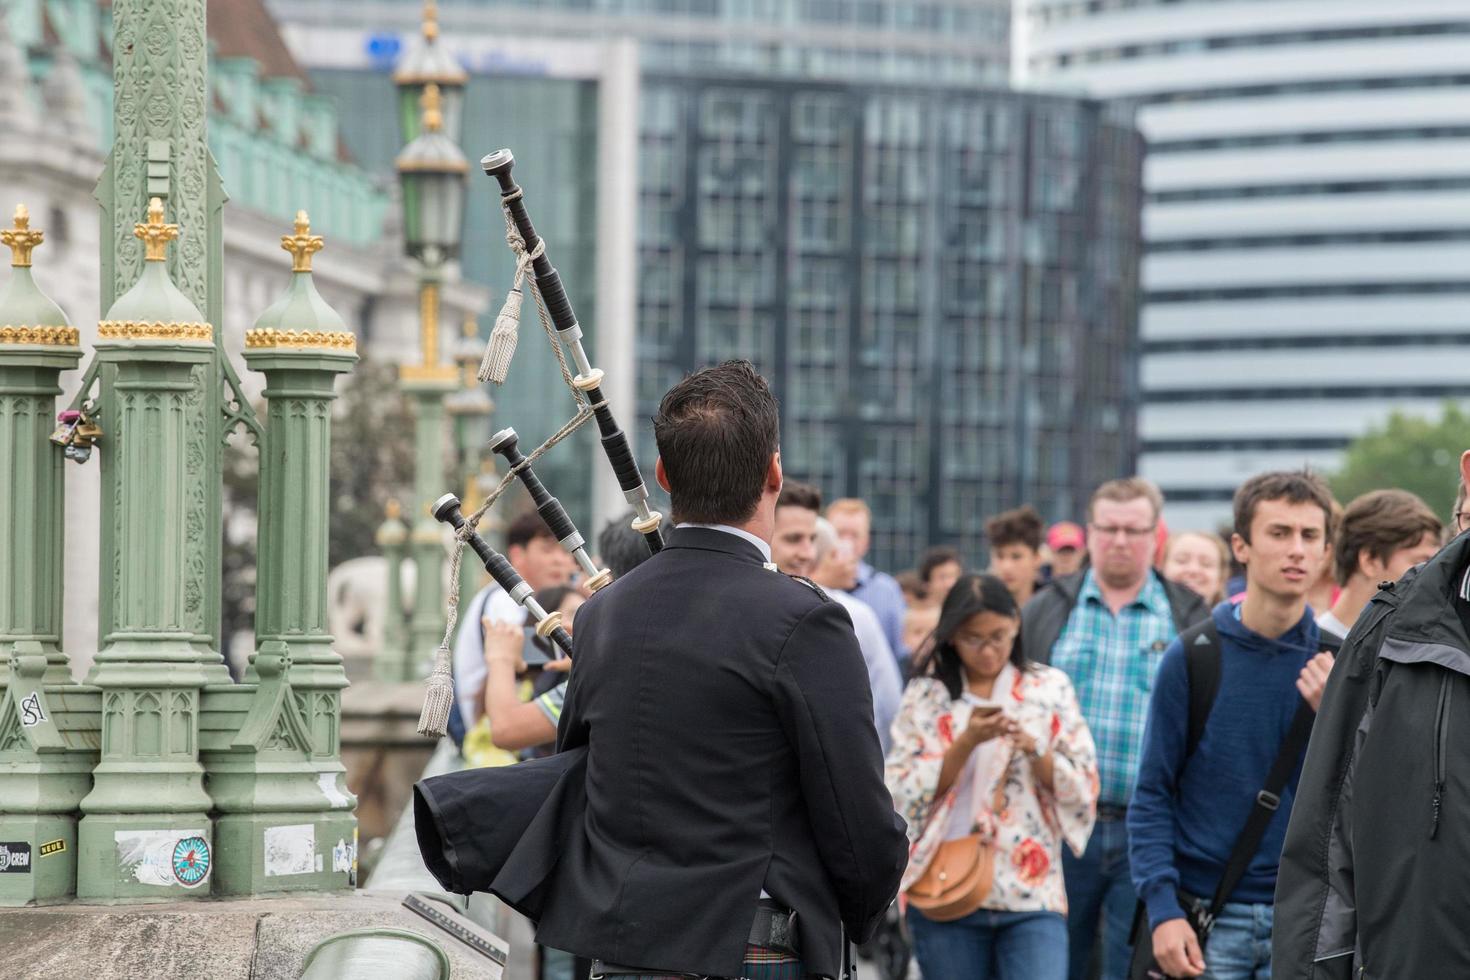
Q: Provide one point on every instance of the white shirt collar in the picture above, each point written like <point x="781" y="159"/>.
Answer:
<point x="764" y="546"/>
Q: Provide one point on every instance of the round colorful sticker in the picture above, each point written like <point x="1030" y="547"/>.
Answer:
<point x="191" y="861"/>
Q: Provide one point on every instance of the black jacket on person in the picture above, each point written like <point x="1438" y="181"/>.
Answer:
<point x="1373" y="880"/>
<point x="1045" y="615"/>
<point x="729" y="726"/>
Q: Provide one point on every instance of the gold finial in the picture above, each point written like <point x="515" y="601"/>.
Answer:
<point x="156" y="234"/>
<point x="301" y="245"/>
<point x="433" y="117"/>
<point x="21" y="238"/>
<point x="393" y="509"/>
<point x="431" y="20"/>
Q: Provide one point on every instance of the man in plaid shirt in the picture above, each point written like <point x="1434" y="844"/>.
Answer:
<point x="1107" y="628"/>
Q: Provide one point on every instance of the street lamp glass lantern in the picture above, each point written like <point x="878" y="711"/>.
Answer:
<point x="433" y="212"/>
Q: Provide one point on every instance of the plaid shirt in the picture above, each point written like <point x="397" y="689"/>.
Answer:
<point x="1112" y="661"/>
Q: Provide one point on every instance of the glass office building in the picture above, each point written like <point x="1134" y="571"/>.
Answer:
<point x="940" y="285"/>
<point x="939" y="279"/>
<point x="962" y="42"/>
<point x="1307" y="220"/>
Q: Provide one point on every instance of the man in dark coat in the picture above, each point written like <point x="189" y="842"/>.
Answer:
<point x="1372" y="883"/>
<point x="736" y="819"/>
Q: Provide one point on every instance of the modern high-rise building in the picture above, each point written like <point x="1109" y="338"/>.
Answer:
<point x="939" y="279"/>
<point x="931" y="41"/>
<point x="939" y="284"/>
<point x="1307" y="220"/>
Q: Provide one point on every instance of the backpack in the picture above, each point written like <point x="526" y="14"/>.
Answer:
<point x="1202" y="665"/>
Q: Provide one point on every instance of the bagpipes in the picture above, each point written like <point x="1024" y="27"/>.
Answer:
<point x="559" y="322"/>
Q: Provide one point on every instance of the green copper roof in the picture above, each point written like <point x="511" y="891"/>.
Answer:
<point x="22" y="304"/>
<point x="154" y="298"/>
<point x="301" y="309"/>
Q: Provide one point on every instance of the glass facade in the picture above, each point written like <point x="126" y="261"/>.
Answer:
<point x="932" y="41"/>
<point x="557" y="121"/>
<point x="940" y="286"/>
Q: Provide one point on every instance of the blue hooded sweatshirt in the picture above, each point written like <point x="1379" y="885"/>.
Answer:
<point x="1186" y="814"/>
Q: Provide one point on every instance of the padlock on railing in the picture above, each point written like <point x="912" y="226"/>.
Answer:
<point x="76" y="433"/>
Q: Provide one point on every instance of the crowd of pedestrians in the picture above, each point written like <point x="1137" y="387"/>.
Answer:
<point x="1094" y="737"/>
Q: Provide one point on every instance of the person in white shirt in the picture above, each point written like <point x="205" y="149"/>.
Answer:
<point x="534" y="553"/>
<point x="836" y="572"/>
<point x="1382" y="535"/>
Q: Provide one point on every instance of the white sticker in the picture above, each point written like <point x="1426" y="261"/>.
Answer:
<point x="290" y="850"/>
<point x="31" y="712"/>
<point x="328" y="783"/>
<point x="163" y="858"/>
<point x="342" y="856"/>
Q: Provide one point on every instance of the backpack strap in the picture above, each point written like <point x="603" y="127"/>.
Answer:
<point x="1268" y="800"/>
<point x="1202" y="664"/>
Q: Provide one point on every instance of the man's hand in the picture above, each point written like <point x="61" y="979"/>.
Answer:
<point x="562" y="666"/>
<point x="503" y="643"/>
<point x="1177" y="949"/>
<point x="1313" y="679"/>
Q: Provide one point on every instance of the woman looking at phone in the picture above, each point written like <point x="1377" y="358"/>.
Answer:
<point x="988" y="744"/>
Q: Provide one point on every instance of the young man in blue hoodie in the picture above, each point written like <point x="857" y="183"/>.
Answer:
<point x="1189" y="809"/>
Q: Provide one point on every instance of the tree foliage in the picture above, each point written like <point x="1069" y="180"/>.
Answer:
<point x="1408" y="453"/>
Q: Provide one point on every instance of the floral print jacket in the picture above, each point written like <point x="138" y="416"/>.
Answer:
<point x="1033" y="822"/>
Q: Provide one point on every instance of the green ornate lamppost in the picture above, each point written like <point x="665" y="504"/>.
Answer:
<point x="431" y="171"/>
<point x="48" y="725"/>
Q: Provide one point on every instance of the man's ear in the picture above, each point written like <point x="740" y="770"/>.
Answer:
<point x="661" y="476"/>
<point x="774" y="477"/>
<point x="1371" y="568"/>
<point x="1465" y="468"/>
<point x="1240" y="549"/>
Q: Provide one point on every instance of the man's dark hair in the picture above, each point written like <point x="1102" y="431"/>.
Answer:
<point x="803" y="495"/>
<point x="1381" y="523"/>
<point x="936" y="556"/>
<point x="1294" y="487"/>
<point x="621" y="548"/>
<point x="716" y="432"/>
<point x="525" y="529"/>
<point x="1020" y="526"/>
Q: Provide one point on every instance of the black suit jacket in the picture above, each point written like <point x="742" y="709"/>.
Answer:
<point x="729" y="726"/>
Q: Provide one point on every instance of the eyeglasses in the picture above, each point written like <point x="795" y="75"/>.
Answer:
<point x="996" y="641"/>
<point x="1133" y="533"/>
<point x="1462" y="518"/>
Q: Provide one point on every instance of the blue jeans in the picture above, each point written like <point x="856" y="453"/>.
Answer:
<point x="1239" y="947"/>
<point x="1098" y="887"/>
<point x="989" y="945"/>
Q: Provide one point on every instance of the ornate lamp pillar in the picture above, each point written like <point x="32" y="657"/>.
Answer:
<point x="48" y="725"/>
<point x="37" y="343"/>
<point x="145" y="830"/>
<point x="286" y="818"/>
<point x="432" y="171"/>
<point x="471" y="409"/>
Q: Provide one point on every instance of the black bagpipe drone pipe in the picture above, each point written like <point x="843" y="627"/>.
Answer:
<point x="588" y="379"/>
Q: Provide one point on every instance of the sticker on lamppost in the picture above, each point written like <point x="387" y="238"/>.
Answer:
<point x="290" y="850"/>
<point x="15" y="857"/>
<point x="164" y="858"/>
<point x="191" y="861"/>
<point x="31" y="712"/>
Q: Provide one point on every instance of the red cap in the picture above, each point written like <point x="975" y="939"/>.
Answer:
<point x="1065" y="534"/>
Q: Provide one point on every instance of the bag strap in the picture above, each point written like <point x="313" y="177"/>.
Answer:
<point x="1201" y="644"/>
<point x="1268" y="800"/>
